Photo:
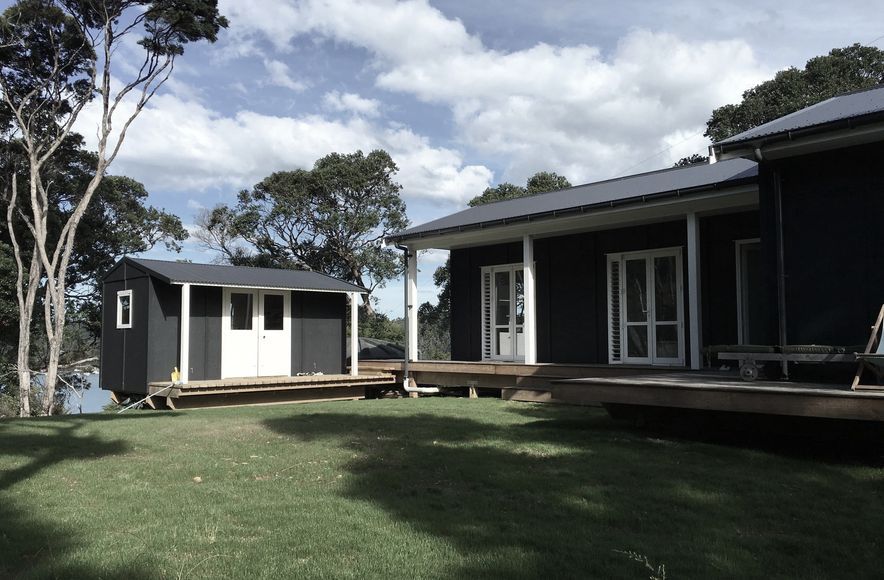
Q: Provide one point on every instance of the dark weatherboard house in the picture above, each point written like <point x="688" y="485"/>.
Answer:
<point x="777" y="241"/>
<point x="218" y="322"/>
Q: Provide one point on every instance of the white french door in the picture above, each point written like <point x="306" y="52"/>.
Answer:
<point x="255" y="333"/>
<point x="275" y="334"/>
<point x="646" y="308"/>
<point x="504" y="312"/>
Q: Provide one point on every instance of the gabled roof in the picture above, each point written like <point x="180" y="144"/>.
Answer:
<point x="634" y="189"/>
<point x="241" y="276"/>
<point x="867" y="104"/>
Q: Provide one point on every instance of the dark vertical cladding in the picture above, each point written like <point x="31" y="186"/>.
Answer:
<point x="318" y="332"/>
<point x="718" y="273"/>
<point x="137" y="337"/>
<point x="205" y="333"/>
<point x="833" y="205"/>
<point x="124" y="350"/>
<point x="163" y="344"/>
<point x="571" y="290"/>
<point x="466" y="284"/>
<point x="113" y="340"/>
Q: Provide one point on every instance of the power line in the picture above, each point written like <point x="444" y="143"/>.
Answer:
<point x="661" y="152"/>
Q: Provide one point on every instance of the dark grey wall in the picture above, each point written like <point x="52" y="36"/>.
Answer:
<point x="162" y="345"/>
<point x="718" y="273"/>
<point x="318" y="332"/>
<point x="205" y="333"/>
<point x="123" y="365"/>
<point x="833" y="208"/>
<point x="571" y="290"/>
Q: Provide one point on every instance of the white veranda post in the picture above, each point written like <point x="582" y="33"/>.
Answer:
<point x="693" y="225"/>
<point x="411" y="304"/>
<point x="529" y="292"/>
<point x="184" y="343"/>
<point x="354" y="334"/>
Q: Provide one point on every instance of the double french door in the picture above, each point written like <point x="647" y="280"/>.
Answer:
<point x="646" y="307"/>
<point x="256" y="333"/>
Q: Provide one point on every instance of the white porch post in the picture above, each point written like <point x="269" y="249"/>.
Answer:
<point x="693" y="225"/>
<point x="411" y="304"/>
<point x="184" y="339"/>
<point x="529" y="328"/>
<point x="354" y="334"/>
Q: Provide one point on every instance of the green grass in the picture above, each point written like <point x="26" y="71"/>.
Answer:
<point x="428" y="488"/>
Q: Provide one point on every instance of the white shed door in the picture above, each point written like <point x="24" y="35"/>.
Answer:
<point x="256" y="334"/>
<point x="239" y="334"/>
<point x="275" y="334"/>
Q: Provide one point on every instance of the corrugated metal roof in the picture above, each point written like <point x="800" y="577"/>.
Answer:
<point x="842" y="107"/>
<point x="634" y="188"/>
<point x="224" y="275"/>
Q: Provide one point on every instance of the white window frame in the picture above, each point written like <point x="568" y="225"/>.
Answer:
<point x="488" y="332"/>
<point x="649" y="255"/>
<point x="738" y="255"/>
<point x="120" y="294"/>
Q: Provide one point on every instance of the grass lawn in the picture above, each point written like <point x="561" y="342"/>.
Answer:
<point x="428" y="488"/>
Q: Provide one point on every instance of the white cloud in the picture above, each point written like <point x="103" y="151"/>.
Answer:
<point x="182" y="145"/>
<point x="351" y="103"/>
<point x="572" y="109"/>
<point x="281" y="77"/>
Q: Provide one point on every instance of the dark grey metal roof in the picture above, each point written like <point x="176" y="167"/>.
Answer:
<point x="868" y="102"/>
<point x="242" y="276"/>
<point x="583" y="198"/>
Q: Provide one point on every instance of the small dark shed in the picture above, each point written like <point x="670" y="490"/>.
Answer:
<point x="216" y="322"/>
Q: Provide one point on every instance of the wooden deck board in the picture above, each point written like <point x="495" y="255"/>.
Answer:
<point x="270" y="390"/>
<point x="726" y="393"/>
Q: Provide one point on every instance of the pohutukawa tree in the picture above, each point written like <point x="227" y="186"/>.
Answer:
<point x="56" y="58"/>
<point x="332" y="219"/>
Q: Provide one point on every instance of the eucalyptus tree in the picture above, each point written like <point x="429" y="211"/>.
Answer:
<point x="56" y="58"/>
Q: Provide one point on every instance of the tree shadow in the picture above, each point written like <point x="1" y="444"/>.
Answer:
<point x="35" y="544"/>
<point x="571" y="494"/>
<point x="834" y="441"/>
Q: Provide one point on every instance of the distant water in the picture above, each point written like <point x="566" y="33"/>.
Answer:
<point x="93" y="398"/>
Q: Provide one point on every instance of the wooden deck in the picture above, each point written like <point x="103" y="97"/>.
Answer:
<point x="496" y="375"/>
<point x="723" y="392"/>
<point x="267" y="390"/>
<point x="644" y="386"/>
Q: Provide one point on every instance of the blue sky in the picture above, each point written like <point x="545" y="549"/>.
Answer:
<point x="462" y="94"/>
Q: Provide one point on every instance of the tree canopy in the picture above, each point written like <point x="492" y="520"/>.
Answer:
<point x="540" y="182"/>
<point x="842" y="70"/>
<point x="332" y="218"/>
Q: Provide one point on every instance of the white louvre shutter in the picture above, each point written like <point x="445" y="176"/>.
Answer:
<point x="614" y="323"/>
<point x="486" y="314"/>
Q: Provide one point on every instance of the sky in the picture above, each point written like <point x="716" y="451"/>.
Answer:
<point x="462" y="94"/>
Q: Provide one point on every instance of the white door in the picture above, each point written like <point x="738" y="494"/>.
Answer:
<point x="507" y="313"/>
<point x="255" y="333"/>
<point x="275" y="334"/>
<point x="239" y="334"/>
<point x="651" y="316"/>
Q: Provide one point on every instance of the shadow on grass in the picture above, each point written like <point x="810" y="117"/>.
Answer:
<point x="832" y="441"/>
<point x="32" y="543"/>
<point x="567" y="493"/>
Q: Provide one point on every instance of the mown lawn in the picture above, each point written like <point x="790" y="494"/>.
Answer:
<point x="429" y="488"/>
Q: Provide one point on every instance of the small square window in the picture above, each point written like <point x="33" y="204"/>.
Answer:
<point x="124" y="309"/>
